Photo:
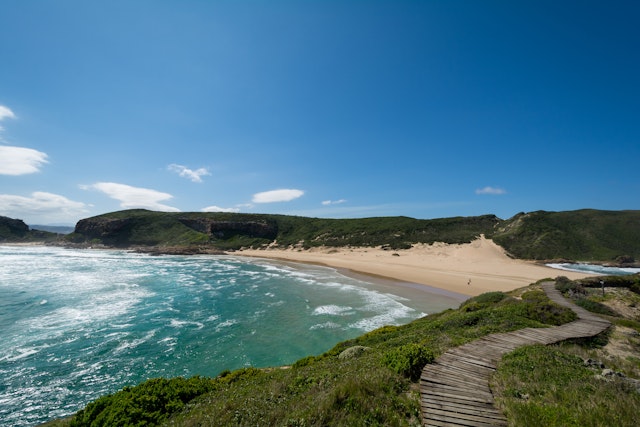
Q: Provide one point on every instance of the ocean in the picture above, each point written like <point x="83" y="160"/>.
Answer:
<point x="78" y="324"/>
<point x="595" y="269"/>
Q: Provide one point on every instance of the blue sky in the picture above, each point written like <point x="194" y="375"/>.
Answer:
<point x="336" y="109"/>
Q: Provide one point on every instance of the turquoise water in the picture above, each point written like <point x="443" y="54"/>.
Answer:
<point x="78" y="324"/>
<point x="595" y="269"/>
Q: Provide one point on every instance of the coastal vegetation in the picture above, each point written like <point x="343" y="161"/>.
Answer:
<point x="583" y="235"/>
<point x="579" y="382"/>
<point x="372" y="379"/>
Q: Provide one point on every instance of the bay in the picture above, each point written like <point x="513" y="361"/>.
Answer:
<point x="78" y="324"/>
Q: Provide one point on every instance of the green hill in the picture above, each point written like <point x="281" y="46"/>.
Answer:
<point x="585" y="235"/>
<point x="16" y="231"/>
<point x="234" y="230"/>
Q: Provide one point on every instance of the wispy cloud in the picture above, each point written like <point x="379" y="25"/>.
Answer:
<point x="20" y="160"/>
<point x="5" y="112"/>
<point x="133" y="197"/>
<point x="219" y="209"/>
<point x="42" y="207"/>
<point x="494" y="191"/>
<point x="284" y="195"/>
<point x="185" y="172"/>
<point x="333" y="202"/>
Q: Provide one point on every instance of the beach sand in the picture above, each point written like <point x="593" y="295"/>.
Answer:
<point x="468" y="269"/>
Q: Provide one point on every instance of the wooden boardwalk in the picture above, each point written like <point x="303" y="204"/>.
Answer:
<point x="455" y="388"/>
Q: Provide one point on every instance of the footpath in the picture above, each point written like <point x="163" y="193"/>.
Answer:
<point x="454" y="390"/>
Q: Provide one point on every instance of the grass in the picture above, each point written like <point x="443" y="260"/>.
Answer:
<point x="551" y="386"/>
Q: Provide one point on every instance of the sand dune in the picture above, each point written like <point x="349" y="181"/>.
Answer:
<point x="469" y="269"/>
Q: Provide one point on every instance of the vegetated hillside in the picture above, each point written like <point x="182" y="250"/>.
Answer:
<point x="16" y="231"/>
<point x="585" y="235"/>
<point x="234" y="230"/>
<point x="373" y="379"/>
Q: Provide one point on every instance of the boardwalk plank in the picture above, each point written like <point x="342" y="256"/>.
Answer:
<point x="449" y="394"/>
<point x="455" y="390"/>
<point x="468" y="393"/>
<point x="479" y="406"/>
<point x="469" y="417"/>
<point x="488" y="412"/>
<point x="453" y="376"/>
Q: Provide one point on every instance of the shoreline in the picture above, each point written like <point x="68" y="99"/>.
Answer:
<point x="465" y="269"/>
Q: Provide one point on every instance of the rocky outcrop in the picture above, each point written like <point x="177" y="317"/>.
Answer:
<point x="101" y="228"/>
<point x="352" y="352"/>
<point x="227" y="229"/>
<point x="10" y="227"/>
<point x="193" y="232"/>
<point x="15" y="230"/>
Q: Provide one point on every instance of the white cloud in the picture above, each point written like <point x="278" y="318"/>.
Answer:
<point x="6" y="112"/>
<point x="185" y="172"/>
<point x="20" y="160"/>
<point x="133" y="197"/>
<point x="491" y="190"/>
<point x="219" y="209"/>
<point x="284" y="195"/>
<point x="333" y="202"/>
<point x="42" y="208"/>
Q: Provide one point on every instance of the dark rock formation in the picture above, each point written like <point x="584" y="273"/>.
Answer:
<point x="15" y="230"/>
<point x="101" y="228"/>
<point x="227" y="229"/>
<point x="12" y="228"/>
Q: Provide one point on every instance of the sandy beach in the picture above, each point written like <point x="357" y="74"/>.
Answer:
<point x="469" y="269"/>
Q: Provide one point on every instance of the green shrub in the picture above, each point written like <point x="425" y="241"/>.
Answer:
<point x="148" y="403"/>
<point x="595" y="307"/>
<point x="233" y="376"/>
<point x="304" y="361"/>
<point x="408" y="360"/>
<point x="632" y="282"/>
<point x="482" y="301"/>
<point x="539" y="307"/>
<point x="564" y="285"/>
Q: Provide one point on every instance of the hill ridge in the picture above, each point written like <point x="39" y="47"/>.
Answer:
<point x="585" y="235"/>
